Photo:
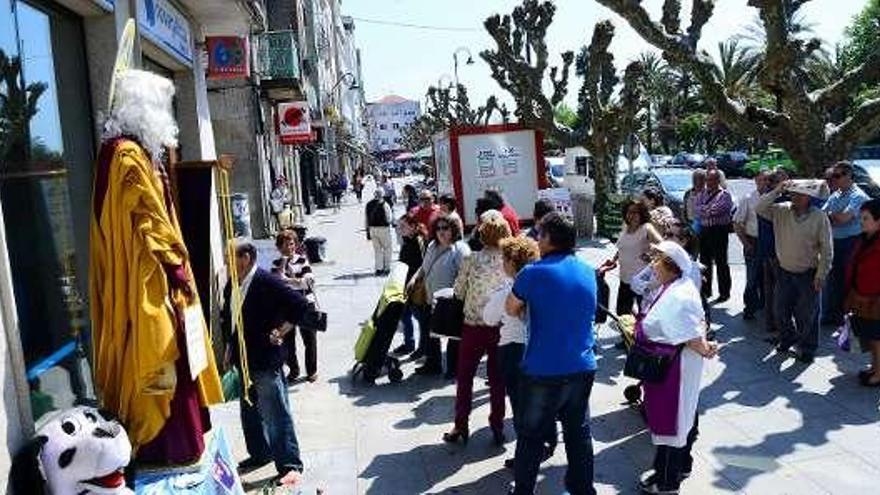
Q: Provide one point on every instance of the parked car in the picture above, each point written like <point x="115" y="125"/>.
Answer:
<point x="770" y="159"/>
<point x="687" y="159"/>
<point x="673" y="182"/>
<point x="661" y="160"/>
<point x="732" y="163"/>
<point x="555" y="166"/>
<point x="868" y="178"/>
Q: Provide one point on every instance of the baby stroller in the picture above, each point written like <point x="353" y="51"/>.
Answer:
<point x="626" y="326"/>
<point x="371" y="348"/>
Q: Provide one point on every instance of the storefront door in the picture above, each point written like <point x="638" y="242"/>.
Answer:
<point x="46" y="156"/>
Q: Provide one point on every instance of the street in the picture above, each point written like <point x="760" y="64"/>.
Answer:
<point x="767" y="425"/>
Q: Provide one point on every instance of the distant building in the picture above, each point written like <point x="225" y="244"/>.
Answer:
<point x="387" y="118"/>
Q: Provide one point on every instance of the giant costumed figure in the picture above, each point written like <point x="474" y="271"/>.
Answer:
<point x="154" y="367"/>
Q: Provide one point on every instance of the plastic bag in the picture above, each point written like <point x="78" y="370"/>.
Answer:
<point x="231" y="382"/>
<point x="847" y="340"/>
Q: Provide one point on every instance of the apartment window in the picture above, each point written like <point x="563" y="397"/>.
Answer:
<point x="382" y="127"/>
<point x="395" y="126"/>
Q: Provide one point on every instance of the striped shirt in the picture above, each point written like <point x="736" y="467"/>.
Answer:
<point x="714" y="208"/>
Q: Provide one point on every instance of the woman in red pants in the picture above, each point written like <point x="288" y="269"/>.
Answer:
<point x="480" y="275"/>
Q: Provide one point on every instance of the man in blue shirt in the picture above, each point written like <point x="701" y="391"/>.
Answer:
<point x="558" y="295"/>
<point x="842" y="209"/>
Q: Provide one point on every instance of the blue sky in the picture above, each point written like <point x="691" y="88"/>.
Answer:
<point x="406" y="61"/>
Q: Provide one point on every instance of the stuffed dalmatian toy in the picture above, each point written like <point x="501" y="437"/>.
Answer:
<point x="78" y="451"/>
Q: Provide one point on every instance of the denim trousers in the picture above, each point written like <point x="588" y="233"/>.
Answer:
<point x="510" y="355"/>
<point x="797" y="309"/>
<point x="420" y="314"/>
<point x="753" y="296"/>
<point x="542" y="400"/>
<point x="267" y="422"/>
<point x="835" y="291"/>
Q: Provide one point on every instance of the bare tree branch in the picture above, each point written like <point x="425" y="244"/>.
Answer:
<point x="670" y="19"/>
<point x="837" y="92"/>
<point x="863" y="124"/>
<point x="700" y="14"/>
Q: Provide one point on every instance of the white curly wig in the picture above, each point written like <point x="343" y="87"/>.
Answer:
<point x="142" y="108"/>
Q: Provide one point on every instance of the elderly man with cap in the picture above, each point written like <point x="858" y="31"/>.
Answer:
<point x="673" y="325"/>
<point x="804" y="251"/>
<point x="379" y="219"/>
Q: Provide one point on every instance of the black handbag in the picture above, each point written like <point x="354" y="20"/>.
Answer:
<point x="313" y="319"/>
<point x="648" y="367"/>
<point x="447" y="318"/>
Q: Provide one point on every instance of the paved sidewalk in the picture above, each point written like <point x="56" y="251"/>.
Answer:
<point x="769" y="425"/>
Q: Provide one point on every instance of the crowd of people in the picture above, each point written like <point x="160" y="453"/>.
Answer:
<point x="808" y="244"/>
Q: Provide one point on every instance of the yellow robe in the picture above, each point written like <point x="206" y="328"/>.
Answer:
<point x="133" y="327"/>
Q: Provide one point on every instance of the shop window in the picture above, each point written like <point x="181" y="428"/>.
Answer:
<point x="45" y="182"/>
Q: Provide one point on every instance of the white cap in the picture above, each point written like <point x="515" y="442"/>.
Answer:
<point x="676" y="253"/>
<point x="809" y="187"/>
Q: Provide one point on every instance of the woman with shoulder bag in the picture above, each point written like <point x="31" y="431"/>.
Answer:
<point x="443" y="258"/>
<point x="863" y="299"/>
<point x="479" y="276"/>
<point x="293" y="267"/>
<point x="672" y="326"/>
<point x="412" y="254"/>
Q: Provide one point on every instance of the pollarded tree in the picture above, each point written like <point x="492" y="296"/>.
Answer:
<point x="520" y="65"/>
<point x="443" y="109"/>
<point x="801" y="121"/>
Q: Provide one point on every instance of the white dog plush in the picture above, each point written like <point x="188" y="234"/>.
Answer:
<point x="78" y="451"/>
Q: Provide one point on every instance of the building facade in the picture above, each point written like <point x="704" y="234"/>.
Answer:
<point x="60" y="55"/>
<point x="387" y="118"/>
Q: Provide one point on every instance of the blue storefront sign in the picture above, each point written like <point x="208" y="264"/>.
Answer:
<point x="163" y="24"/>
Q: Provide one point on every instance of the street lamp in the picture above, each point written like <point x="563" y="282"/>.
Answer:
<point x="440" y="80"/>
<point x="352" y="85"/>
<point x="470" y="61"/>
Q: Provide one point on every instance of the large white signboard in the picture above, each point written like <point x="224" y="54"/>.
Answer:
<point x="504" y="161"/>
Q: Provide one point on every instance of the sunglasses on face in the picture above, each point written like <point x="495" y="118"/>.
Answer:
<point x="836" y="175"/>
<point x="443" y="228"/>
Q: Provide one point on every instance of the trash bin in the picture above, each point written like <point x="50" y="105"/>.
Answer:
<point x="316" y="249"/>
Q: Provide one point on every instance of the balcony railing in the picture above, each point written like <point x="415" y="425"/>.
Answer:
<point x="276" y="55"/>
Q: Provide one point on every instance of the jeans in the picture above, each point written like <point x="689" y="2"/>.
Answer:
<point x="835" y="291"/>
<point x="267" y="422"/>
<point x="797" y="309"/>
<point x="625" y="299"/>
<point x="310" y="342"/>
<point x="476" y="341"/>
<point x="753" y="296"/>
<point x="419" y="314"/>
<point x="771" y="273"/>
<point x="510" y="355"/>
<point x="671" y="462"/>
<point x="713" y="252"/>
<point x="542" y="400"/>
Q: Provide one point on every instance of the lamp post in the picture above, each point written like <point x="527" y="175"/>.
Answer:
<point x="469" y="61"/>
<point x="440" y="80"/>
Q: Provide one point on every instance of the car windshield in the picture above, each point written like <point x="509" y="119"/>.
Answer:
<point x="674" y="180"/>
<point x="557" y="170"/>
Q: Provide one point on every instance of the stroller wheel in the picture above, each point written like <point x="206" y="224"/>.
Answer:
<point x="633" y="393"/>
<point x="395" y="375"/>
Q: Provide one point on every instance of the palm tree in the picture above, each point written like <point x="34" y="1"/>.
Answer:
<point x="736" y="68"/>
<point x="655" y="88"/>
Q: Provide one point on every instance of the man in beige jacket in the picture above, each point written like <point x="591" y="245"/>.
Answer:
<point x="804" y="249"/>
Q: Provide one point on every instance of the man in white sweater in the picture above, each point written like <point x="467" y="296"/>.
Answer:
<point x="805" y="250"/>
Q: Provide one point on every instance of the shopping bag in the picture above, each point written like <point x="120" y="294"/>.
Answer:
<point x="847" y="341"/>
<point x="231" y="382"/>
<point x="368" y="330"/>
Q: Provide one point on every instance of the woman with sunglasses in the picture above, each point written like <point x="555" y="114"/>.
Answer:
<point x="440" y="266"/>
<point x="673" y="325"/>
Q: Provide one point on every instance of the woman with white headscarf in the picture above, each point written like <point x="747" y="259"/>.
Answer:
<point x="673" y="325"/>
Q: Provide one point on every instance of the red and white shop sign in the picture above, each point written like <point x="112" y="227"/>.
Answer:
<point x="293" y="123"/>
